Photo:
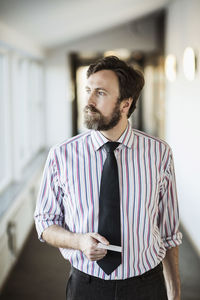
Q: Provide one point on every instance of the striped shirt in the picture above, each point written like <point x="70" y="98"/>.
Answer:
<point x="69" y="197"/>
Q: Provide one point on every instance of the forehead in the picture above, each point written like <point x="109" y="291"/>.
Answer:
<point x="105" y="78"/>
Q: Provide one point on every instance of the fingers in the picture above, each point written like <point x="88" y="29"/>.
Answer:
<point x="89" y="242"/>
<point x="94" y="254"/>
<point x="99" y="238"/>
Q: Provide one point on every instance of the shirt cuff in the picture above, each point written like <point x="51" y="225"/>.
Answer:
<point x="41" y="225"/>
<point x="173" y="241"/>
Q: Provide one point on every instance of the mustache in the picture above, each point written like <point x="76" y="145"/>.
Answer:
<point x="91" y="108"/>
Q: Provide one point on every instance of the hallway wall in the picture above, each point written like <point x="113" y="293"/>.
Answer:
<point x="182" y="112"/>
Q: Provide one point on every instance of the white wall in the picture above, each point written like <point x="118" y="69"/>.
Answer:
<point x="183" y="108"/>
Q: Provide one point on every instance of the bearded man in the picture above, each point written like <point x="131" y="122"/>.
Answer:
<point x="108" y="198"/>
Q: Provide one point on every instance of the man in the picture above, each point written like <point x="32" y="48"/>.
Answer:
<point x="112" y="188"/>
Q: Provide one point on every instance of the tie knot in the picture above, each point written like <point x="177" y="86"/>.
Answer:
<point x="111" y="146"/>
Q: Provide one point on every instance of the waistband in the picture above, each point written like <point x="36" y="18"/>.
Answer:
<point x="157" y="269"/>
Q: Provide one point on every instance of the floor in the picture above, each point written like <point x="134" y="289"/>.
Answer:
<point x="41" y="273"/>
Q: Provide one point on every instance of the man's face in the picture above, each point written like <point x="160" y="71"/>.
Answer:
<point x="102" y="111"/>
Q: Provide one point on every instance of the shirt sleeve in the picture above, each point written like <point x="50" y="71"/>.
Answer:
<point x="49" y="208"/>
<point x="168" y="220"/>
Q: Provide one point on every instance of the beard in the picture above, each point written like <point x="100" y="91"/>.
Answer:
<point x="97" y="121"/>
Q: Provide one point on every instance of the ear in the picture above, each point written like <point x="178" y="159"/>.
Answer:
<point x="125" y="105"/>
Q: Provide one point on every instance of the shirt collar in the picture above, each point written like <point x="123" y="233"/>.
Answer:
<point x="125" y="139"/>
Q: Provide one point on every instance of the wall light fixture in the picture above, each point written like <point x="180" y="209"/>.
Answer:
<point x="170" y="67"/>
<point x="189" y="63"/>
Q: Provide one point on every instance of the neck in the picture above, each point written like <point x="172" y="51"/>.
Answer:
<point x="115" y="133"/>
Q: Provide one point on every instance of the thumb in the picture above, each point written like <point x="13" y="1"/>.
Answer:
<point x="99" y="238"/>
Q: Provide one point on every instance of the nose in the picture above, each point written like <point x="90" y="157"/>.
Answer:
<point x="91" y="99"/>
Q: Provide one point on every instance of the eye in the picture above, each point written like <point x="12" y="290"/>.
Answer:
<point x="101" y="93"/>
<point x="87" y="91"/>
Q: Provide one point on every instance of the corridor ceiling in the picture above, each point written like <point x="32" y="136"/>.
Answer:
<point x="50" y="23"/>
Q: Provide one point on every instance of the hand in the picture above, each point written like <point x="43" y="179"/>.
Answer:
<point x="88" y="245"/>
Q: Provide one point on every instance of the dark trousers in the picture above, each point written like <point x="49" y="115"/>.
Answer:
<point x="148" y="286"/>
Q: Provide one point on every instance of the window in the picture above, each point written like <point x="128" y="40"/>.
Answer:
<point x="31" y="109"/>
<point x="36" y="98"/>
<point x="5" y="138"/>
<point x="21" y="114"/>
<point x="24" y="112"/>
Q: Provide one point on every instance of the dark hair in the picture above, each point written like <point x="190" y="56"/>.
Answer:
<point x="131" y="81"/>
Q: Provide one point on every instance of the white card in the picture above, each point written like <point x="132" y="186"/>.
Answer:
<point x="110" y="247"/>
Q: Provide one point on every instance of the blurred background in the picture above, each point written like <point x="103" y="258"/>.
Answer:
<point x="45" y="48"/>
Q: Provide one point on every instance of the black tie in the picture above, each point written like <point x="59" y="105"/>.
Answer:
<point x="109" y="209"/>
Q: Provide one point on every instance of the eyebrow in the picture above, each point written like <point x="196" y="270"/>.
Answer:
<point x="97" y="89"/>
